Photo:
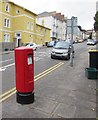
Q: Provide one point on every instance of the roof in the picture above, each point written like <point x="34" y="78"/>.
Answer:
<point x="58" y="16"/>
<point x="45" y="14"/>
<point x="43" y="26"/>
<point x="20" y="7"/>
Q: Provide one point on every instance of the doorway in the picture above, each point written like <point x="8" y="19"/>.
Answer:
<point x="18" y="39"/>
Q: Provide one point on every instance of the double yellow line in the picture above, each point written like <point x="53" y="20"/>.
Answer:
<point x="37" y="77"/>
<point x="7" y="94"/>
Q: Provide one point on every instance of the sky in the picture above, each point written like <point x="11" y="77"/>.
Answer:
<point x="83" y="9"/>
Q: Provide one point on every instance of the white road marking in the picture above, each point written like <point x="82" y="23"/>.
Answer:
<point x="36" y="58"/>
<point x="6" y="60"/>
<point x="41" y="54"/>
<point x="8" y="65"/>
<point x="3" y="68"/>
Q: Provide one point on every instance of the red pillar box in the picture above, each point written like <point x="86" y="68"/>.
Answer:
<point x="24" y="67"/>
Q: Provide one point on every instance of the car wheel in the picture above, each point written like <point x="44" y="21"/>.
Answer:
<point x="68" y="57"/>
<point x="35" y="48"/>
<point x="52" y="57"/>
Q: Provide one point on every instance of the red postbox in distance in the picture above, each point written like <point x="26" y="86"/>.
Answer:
<point x="24" y="70"/>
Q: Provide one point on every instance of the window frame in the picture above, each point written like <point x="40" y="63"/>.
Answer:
<point x="17" y="11"/>
<point x="6" y="37"/>
<point x="28" y="25"/>
<point x="7" y="22"/>
<point x="7" y="9"/>
<point x="32" y="26"/>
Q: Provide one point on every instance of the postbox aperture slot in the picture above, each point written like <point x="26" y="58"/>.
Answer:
<point x="29" y="59"/>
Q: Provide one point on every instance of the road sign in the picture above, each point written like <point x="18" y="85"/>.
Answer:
<point x="69" y="26"/>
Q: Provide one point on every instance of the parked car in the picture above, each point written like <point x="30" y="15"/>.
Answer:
<point x="62" y="49"/>
<point x="80" y="41"/>
<point x="31" y="45"/>
<point x="69" y="41"/>
<point x="91" y="42"/>
<point x="51" y="43"/>
<point x="96" y="41"/>
<point x="76" y="41"/>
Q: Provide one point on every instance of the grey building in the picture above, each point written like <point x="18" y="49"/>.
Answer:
<point x="72" y="22"/>
<point x="56" y="22"/>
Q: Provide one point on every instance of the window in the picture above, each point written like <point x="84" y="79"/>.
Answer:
<point x="7" y="7"/>
<point x="36" y="29"/>
<point x="17" y="11"/>
<point x="41" y="30"/>
<point x="6" y="37"/>
<point x="7" y="22"/>
<point x="18" y="35"/>
<point x="45" y="31"/>
<point x="28" y="25"/>
<point x="32" y="26"/>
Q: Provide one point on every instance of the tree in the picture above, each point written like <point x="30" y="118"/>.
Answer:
<point x="96" y="22"/>
<point x="82" y="30"/>
<point x="96" y="27"/>
<point x="90" y="37"/>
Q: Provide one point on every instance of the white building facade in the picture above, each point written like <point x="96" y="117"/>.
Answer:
<point x="56" y="22"/>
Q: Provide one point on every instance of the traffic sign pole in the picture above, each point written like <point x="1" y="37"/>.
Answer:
<point x="71" y="56"/>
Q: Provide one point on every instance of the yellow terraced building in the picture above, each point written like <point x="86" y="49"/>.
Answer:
<point x="42" y="34"/>
<point x="18" y="26"/>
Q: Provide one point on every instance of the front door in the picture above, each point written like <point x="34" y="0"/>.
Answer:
<point x="18" y="39"/>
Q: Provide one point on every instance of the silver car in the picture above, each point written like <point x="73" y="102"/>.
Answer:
<point x="62" y="49"/>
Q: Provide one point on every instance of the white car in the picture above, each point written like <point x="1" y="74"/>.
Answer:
<point x="32" y="45"/>
<point x="91" y="42"/>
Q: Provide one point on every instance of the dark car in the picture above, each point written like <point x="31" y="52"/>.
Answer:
<point x="62" y="49"/>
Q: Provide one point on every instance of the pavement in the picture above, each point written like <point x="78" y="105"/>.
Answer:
<point x="68" y="93"/>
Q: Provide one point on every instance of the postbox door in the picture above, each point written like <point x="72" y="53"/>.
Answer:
<point x="19" y="68"/>
<point x="29" y="72"/>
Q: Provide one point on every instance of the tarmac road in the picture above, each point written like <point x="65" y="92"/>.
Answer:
<point x="60" y="92"/>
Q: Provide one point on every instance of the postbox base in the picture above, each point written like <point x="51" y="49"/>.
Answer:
<point x="25" y="98"/>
